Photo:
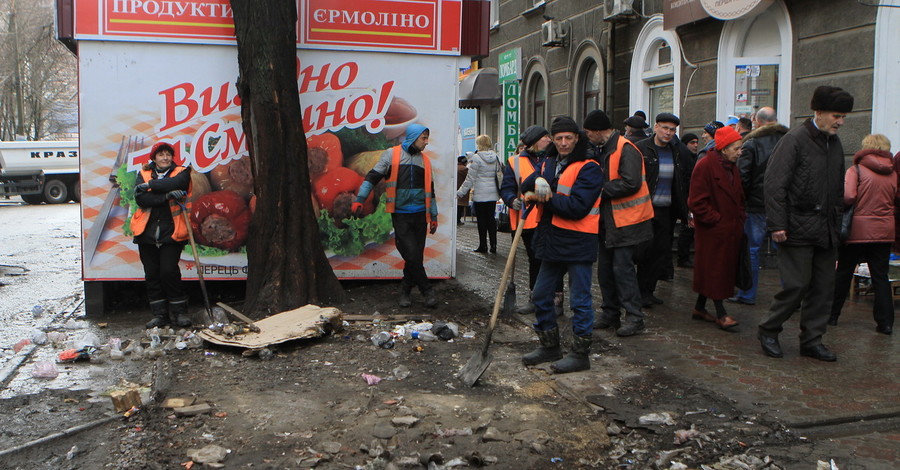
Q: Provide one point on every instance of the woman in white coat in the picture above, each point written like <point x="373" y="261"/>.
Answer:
<point x="483" y="168"/>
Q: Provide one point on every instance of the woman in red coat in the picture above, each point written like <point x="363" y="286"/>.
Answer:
<point x="717" y="202"/>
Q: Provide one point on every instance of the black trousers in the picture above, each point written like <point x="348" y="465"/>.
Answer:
<point x="877" y="256"/>
<point x="654" y="260"/>
<point x="807" y="281"/>
<point x="487" y="224"/>
<point x="161" y="270"/>
<point x="409" y="237"/>
<point x="685" y="242"/>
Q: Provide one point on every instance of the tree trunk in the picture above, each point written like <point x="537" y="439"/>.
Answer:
<point x="287" y="265"/>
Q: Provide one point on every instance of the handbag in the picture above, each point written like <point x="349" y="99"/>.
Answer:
<point x="503" y="223"/>
<point x="847" y="217"/>
<point x="743" y="278"/>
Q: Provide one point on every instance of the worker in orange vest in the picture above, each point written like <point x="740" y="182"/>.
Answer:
<point x="161" y="232"/>
<point x="410" y="201"/>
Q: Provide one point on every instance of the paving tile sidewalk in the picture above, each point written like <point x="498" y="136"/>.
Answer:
<point x="863" y="386"/>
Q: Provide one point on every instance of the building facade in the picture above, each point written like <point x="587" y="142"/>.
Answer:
<point x="675" y="55"/>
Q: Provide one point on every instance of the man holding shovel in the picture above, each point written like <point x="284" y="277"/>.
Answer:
<point x="567" y="189"/>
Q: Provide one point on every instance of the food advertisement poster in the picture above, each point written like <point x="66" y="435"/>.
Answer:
<point x="355" y="106"/>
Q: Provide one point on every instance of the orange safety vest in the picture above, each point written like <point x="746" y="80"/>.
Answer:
<point x="523" y="171"/>
<point x="391" y="191"/>
<point x="589" y="223"/>
<point x="636" y="208"/>
<point x="141" y="216"/>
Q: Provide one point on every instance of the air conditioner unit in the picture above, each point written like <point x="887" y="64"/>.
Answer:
<point x="617" y="10"/>
<point x="552" y="34"/>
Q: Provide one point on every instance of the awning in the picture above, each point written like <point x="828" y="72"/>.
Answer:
<point x="480" y="88"/>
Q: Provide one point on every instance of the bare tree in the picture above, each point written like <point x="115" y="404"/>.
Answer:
<point x="287" y="265"/>
<point x="38" y="76"/>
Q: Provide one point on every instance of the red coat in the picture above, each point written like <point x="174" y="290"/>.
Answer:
<point x="874" y="191"/>
<point x="717" y="203"/>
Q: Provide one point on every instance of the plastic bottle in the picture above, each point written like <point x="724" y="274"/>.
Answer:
<point x="423" y="336"/>
<point x="383" y="340"/>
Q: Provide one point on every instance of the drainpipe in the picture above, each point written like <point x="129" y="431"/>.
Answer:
<point x="610" y="65"/>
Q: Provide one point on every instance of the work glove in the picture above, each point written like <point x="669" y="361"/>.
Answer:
<point x="542" y="189"/>
<point x="356" y="209"/>
<point x="142" y="187"/>
<point x="432" y="227"/>
<point x="177" y="194"/>
<point x="516" y="204"/>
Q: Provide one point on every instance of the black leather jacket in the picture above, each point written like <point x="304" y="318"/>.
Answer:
<point x="758" y="146"/>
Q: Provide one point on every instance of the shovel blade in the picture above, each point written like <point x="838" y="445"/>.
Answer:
<point x="509" y="300"/>
<point x="478" y="363"/>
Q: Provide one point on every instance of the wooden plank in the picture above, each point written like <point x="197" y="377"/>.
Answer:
<point x="240" y="316"/>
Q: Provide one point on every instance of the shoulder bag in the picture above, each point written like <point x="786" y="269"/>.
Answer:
<point x="847" y="218"/>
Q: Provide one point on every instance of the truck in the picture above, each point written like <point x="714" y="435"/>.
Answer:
<point x="40" y="171"/>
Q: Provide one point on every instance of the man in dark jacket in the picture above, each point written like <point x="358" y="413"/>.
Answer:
<point x="625" y="214"/>
<point x="804" y="187"/>
<point x="758" y="146"/>
<point x="667" y="179"/>
<point x="567" y="187"/>
<point x="686" y="235"/>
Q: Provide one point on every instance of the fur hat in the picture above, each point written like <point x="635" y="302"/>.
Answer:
<point x="830" y="98"/>
<point x="725" y="136"/>
<point x="597" y="120"/>
<point x="636" y="122"/>
<point x="668" y="117"/>
<point x="563" y="124"/>
<point x="532" y="134"/>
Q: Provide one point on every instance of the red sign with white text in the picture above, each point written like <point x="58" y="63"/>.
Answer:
<point x="417" y="26"/>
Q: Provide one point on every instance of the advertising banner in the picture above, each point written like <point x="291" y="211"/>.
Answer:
<point x="411" y="26"/>
<point x="355" y="107"/>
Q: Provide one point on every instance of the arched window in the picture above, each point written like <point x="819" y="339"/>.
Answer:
<point x="755" y="64"/>
<point x="590" y="87"/>
<point x="656" y="62"/>
<point x="537" y="101"/>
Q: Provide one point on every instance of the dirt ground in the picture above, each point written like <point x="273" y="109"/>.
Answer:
<point x="309" y="406"/>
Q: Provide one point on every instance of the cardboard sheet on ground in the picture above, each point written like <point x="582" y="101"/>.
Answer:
<point x="309" y="321"/>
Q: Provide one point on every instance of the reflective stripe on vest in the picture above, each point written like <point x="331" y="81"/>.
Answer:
<point x="141" y="216"/>
<point x="636" y="208"/>
<point x="589" y="223"/>
<point x="391" y="184"/>
<point x="523" y="168"/>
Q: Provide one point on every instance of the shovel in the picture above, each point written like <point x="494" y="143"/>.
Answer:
<point x="480" y="361"/>
<point x="190" y="231"/>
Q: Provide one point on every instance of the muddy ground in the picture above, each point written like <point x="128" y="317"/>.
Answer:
<point x="309" y="405"/>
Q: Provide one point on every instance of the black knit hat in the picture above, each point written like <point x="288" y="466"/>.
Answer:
<point x="563" y="124"/>
<point x="689" y="137"/>
<point x="668" y="117"/>
<point x="830" y="98"/>
<point x="532" y="135"/>
<point x="597" y="120"/>
<point x="712" y="126"/>
<point x="641" y="115"/>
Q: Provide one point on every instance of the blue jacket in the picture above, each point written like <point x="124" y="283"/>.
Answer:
<point x="556" y="244"/>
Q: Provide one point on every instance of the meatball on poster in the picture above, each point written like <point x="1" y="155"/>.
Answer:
<point x="355" y="106"/>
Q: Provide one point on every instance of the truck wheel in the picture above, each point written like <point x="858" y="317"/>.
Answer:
<point x="55" y="192"/>
<point x="33" y="199"/>
<point x="75" y="191"/>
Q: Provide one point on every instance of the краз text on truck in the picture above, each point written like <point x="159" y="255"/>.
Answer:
<point x="40" y="171"/>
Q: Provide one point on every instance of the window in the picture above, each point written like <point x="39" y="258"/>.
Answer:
<point x="590" y="91"/>
<point x="495" y="13"/>
<point x="657" y="54"/>
<point x="537" y="101"/>
<point x="661" y="98"/>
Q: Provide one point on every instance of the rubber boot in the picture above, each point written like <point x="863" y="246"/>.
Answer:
<point x="179" y="309"/>
<point x="548" y="351"/>
<point x="430" y="299"/>
<point x="405" y="293"/>
<point x="160" y="314"/>
<point x="578" y="359"/>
